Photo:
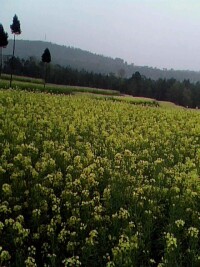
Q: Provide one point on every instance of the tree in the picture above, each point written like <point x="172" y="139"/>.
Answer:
<point x="46" y="58"/>
<point x="3" y="43"/>
<point x="16" y="30"/>
<point x="121" y="73"/>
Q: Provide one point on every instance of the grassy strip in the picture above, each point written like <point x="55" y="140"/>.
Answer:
<point x="54" y="89"/>
<point x="22" y="79"/>
<point x="126" y="99"/>
<point x="137" y="100"/>
<point x="169" y="105"/>
<point x="35" y="87"/>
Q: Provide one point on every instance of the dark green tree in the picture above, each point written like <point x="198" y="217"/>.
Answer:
<point x="16" y="30"/>
<point x="46" y="58"/>
<point x="3" y="43"/>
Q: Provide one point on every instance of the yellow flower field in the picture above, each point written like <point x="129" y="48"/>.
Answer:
<point x="89" y="182"/>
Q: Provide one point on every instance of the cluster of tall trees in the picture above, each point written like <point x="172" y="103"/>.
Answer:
<point x="182" y="93"/>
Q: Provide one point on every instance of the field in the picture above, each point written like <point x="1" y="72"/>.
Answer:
<point x="36" y="85"/>
<point x="91" y="182"/>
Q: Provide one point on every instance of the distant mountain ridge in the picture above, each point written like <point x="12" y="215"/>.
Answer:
<point x="81" y="59"/>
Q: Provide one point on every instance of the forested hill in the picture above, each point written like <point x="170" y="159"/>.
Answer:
<point x="80" y="59"/>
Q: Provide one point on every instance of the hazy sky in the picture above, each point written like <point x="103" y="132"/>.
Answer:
<point x="157" y="33"/>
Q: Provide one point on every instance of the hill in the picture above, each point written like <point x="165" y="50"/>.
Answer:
<point x="80" y="59"/>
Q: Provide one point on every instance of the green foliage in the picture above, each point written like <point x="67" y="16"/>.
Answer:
<point x="3" y="37"/>
<point x="15" y="26"/>
<point x="46" y="56"/>
<point x="97" y="183"/>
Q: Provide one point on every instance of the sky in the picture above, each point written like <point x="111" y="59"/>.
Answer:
<point x="154" y="33"/>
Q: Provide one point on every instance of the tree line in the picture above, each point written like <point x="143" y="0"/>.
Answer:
<point x="182" y="93"/>
<point x="80" y="59"/>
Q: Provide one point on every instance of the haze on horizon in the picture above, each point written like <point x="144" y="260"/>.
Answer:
<point x="157" y="33"/>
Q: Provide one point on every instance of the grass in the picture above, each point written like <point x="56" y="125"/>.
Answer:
<point x="22" y="79"/>
<point x="125" y="99"/>
<point x="32" y="84"/>
<point x="137" y="100"/>
<point x="167" y="105"/>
